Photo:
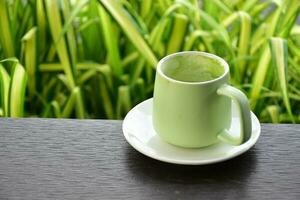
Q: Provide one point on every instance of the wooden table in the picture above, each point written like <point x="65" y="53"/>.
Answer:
<point x="90" y="159"/>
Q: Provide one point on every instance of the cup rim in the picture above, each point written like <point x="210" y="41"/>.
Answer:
<point x="222" y="62"/>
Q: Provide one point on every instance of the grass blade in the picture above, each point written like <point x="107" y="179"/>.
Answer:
<point x="193" y="37"/>
<point x="70" y="36"/>
<point x="6" y="40"/>
<point x="74" y="103"/>
<point x="249" y="5"/>
<point x="222" y="6"/>
<point x="69" y="17"/>
<point x="274" y="114"/>
<point x="13" y="59"/>
<point x="4" y="90"/>
<point x="29" y="52"/>
<point x="56" y="109"/>
<point x="259" y="77"/>
<point x="124" y="101"/>
<point x="41" y="26"/>
<point x="129" y="58"/>
<point x="135" y="19"/>
<point x="157" y="36"/>
<point x="244" y="40"/>
<point x="266" y="30"/>
<point x="17" y="91"/>
<point x="177" y="34"/>
<point x="288" y="17"/>
<point x="146" y="8"/>
<point x="54" y="21"/>
<point x="107" y="102"/>
<point x="279" y="57"/>
<point x="86" y="76"/>
<point x="79" y="105"/>
<point x="138" y="70"/>
<point x="111" y="41"/>
<point x="137" y="40"/>
<point x="215" y="26"/>
<point x="265" y="58"/>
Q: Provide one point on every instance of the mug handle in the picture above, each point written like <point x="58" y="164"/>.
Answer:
<point x="244" y="113"/>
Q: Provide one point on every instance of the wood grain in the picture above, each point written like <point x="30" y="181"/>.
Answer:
<point x="90" y="159"/>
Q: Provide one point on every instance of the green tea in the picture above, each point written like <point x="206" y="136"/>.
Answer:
<point x="190" y="68"/>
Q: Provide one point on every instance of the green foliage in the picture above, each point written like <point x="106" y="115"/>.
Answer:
<point x="12" y="90"/>
<point x="97" y="58"/>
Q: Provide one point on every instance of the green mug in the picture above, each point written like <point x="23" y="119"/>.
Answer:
<point x="192" y="101"/>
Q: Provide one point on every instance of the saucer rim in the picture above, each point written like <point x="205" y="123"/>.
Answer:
<point x="242" y="148"/>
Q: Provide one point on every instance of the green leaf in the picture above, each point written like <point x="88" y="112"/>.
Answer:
<point x="70" y="16"/>
<point x="4" y="90"/>
<point x="193" y="37"/>
<point x="273" y="111"/>
<point x="146" y="8"/>
<point x="111" y="41"/>
<point x="156" y="36"/>
<point x="222" y="6"/>
<point x="80" y="113"/>
<point x="288" y="17"/>
<point x="259" y="77"/>
<point x="138" y="70"/>
<point x="119" y="15"/>
<point x="130" y="58"/>
<point x="6" y="39"/>
<point x="244" y="40"/>
<point x="106" y="100"/>
<point x="29" y="52"/>
<point x="217" y="27"/>
<point x="74" y="103"/>
<point x="86" y="76"/>
<point x="124" y="101"/>
<point x="72" y="48"/>
<point x="55" y="25"/>
<point x="56" y="109"/>
<point x="17" y="91"/>
<point x="41" y="24"/>
<point x="12" y="59"/>
<point x="249" y="5"/>
<point x="280" y="60"/>
<point x="178" y="33"/>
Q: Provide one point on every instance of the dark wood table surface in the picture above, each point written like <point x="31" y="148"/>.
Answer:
<point x="90" y="159"/>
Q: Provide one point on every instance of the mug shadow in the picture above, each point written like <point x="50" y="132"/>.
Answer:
<point x="238" y="169"/>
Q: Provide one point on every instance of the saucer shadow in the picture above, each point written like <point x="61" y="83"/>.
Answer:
<point x="238" y="169"/>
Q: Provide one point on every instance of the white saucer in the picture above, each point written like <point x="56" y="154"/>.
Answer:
<point x="139" y="133"/>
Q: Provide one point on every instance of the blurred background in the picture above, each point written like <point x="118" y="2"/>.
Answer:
<point x="97" y="58"/>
